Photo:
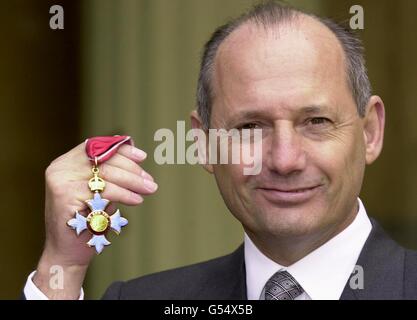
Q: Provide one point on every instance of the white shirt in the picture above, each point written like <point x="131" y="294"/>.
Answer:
<point x="32" y="292"/>
<point x="323" y="273"/>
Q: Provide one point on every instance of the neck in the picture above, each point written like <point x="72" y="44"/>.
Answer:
<point x="287" y="250"/>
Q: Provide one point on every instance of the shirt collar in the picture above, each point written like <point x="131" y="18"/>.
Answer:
<point x="323" y="273"/>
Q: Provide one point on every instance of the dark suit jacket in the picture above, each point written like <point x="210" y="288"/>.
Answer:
<point x="390" y="272"/>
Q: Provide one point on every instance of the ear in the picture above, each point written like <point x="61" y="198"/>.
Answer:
<point x="203" y="148"/>
<point x="374" y="123"/>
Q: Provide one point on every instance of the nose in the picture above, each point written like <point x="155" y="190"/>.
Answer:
<point x="285" y="154"/>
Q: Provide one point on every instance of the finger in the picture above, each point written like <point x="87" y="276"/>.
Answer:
<point x="125" y="163"/>
<point x="115" y="193"/>
<point x="132" y="153"/>
<point x="112" y="192"/>
<point x="127" y="180"/>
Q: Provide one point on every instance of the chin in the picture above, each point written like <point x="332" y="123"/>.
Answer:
<point x="291" y="222"/>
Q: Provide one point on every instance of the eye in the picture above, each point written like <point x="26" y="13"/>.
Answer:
<point x="318" y="121"/>
<point x="248" y="126"/>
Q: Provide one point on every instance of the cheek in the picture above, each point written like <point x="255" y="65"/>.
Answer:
<point x="231" y="182"/>
<point x="341" y="161"/>
<point x="354" y="155"/>
<point x="355" y="164"/>
<point x="228" y="176"/>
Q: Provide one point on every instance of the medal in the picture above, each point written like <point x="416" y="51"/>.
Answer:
<point x="99" y="222"/>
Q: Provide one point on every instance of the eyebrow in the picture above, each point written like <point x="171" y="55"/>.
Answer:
<point x="310" y="109"/>
<point x="315" y="109"/>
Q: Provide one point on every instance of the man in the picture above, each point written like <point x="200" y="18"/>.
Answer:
<point x="302" y="80"/>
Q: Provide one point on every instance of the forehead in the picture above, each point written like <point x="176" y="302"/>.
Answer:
<point x="284" y="64"/>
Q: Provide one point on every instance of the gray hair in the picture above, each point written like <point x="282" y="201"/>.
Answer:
<point x="273" y="13"/>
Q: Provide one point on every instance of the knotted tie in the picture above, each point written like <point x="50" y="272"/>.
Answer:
<point x="282" y="286"/>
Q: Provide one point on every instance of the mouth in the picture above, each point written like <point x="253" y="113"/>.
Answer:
<point x="289" y="196"/>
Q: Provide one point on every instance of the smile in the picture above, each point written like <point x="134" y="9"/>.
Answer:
<point x="289" y="196"/>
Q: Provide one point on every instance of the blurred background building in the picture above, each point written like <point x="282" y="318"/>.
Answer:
<point x="130" y="67"/>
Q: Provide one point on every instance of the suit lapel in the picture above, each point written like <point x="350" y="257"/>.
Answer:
<point x="229" y="281"/>
<point x="238" y="276"/>
<point x="382" y="261"/>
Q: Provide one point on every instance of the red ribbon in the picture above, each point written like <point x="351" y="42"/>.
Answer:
<point x="101" y="149"/>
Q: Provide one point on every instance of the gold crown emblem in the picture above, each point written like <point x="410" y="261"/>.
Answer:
<point x="96" y="184"/>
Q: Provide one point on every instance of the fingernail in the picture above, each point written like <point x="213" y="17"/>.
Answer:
<point x="139" y="153"/>
<point x="146" y="175"/>
<point x="136" y="197"/>
<point x="150" y="185"/>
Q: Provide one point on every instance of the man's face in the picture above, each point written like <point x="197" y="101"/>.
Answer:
<point x="291" y="84"/>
